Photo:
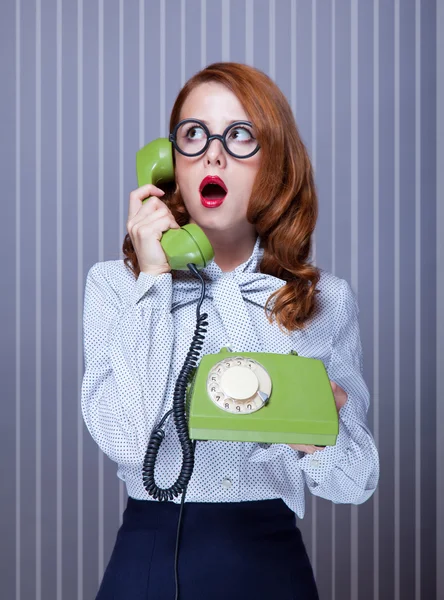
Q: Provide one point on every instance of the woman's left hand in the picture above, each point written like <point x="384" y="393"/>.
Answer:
<point x="340" y="399"/>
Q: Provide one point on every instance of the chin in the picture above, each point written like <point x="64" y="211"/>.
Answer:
<point x="213" y="221"/>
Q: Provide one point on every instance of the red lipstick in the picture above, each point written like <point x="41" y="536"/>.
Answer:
<point x="212" y="191"/>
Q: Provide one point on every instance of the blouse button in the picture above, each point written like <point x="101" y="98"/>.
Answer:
<point x="226" y="483"/>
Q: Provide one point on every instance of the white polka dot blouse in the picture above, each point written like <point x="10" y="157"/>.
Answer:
<point x="137" y="333"/>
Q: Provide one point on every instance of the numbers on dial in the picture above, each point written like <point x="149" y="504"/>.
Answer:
<point x="240" y="404"/>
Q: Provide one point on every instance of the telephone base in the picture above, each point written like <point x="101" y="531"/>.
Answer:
<point x="300" y="406"/>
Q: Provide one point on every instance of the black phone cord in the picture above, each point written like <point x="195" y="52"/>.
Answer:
<point x="179" y="415"/>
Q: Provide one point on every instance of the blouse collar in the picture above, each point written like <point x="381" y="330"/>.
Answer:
<point x="251" y="265"/>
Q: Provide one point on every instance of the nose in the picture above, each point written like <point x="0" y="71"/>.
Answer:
<point x="215" y="154"/>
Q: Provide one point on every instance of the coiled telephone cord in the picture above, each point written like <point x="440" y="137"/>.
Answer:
<point x="180" y="421"/>
<point x="180" y="418"/>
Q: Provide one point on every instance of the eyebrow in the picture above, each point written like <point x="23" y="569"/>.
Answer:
<point x="227" y="123"/>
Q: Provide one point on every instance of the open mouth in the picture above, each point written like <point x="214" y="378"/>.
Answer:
<point x="212" y="191"/>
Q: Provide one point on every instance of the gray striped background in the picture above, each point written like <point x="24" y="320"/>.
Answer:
<point x="83" y="86"/>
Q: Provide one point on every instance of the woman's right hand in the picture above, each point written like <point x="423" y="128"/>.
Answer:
<point x="146" y="223"/>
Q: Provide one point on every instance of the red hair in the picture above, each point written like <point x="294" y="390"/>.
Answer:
<point x="283" y="204"/>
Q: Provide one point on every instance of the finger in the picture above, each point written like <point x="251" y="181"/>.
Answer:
<point x="308" y="449"/>
<point x="339" y="394"/>
<point x="152" y="221"/>
<point x="334" y="386"/>
<point x="144" y="231"/>
<point x="149" y="211"/>
<point x="138" y="196"/>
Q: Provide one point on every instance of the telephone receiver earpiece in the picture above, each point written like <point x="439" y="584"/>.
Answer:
<point x="189" y="244"/>
<point x="154" y="163"/>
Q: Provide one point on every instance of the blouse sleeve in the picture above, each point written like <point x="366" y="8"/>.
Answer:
<point x="349" y="471"/>
<point x="127" y="351"/>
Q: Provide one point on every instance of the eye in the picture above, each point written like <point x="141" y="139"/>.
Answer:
<point x="240" y="134"/>
<point x="195" y="132"/>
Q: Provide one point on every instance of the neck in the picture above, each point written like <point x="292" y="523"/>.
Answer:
<point x="231" y="249"/>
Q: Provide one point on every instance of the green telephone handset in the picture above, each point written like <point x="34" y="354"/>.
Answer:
<point x="189" y="244"/>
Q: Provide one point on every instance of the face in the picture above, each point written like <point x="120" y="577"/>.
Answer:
<point x="209" y="206"/>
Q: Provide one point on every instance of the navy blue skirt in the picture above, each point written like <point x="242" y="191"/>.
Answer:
<point x="242" y="550"/>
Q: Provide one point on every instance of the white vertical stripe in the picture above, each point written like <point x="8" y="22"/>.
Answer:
<point x="18" y="258"/>
<point x="314" y="503"/>
<point x="203" y="33"/>
<point x="59" y="359"/>
<point x="333" y="137"/>
<point x="141" y="72"/>
<point x="376" y="284"/>
<point x="313" y="84"/>
<point x="80" y="285"/>
<point x="225" y="30"/>
<point x="249" y="32"/>
<point x="101" y="491"/>
<point x="354" y="49"/>
<point x="333" y="242"/>
<point x="397" y="432"/>
<point x="38" y="301"/>
<point x="418" y="300"/>
<point x="121" y="121"/>
<point x="293" y="56"/>
<point x="354" y="128"/>
<point x="440" y="297"/>
<point x="182" y="41"/>
<point x="162" y="68"/>
<point x="272" y="39"/>
<point x="314" y="106"/>
<point x="121" y="177"/>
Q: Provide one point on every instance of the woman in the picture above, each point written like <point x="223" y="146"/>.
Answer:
<point x="251" y="190"/>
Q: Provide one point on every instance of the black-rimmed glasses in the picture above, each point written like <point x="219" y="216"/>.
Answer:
<point x="192" y="137"/>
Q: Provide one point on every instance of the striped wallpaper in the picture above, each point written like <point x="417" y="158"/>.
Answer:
<point x="83" y="86"/>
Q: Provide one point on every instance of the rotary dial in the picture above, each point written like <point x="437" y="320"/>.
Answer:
<point x="239" y="385"/>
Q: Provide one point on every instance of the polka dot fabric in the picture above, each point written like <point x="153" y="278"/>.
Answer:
<point x="136" y="336"/>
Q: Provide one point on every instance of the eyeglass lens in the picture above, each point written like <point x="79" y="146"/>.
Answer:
<point x="191" y="139"/>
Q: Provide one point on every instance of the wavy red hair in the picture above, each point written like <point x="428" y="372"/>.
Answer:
<point x="283" y="204"/>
